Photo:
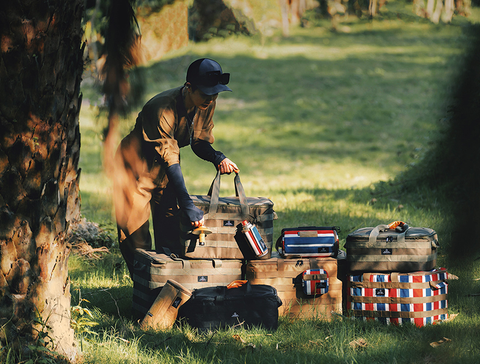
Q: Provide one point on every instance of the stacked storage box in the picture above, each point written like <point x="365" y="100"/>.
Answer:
<point x="305" y="273"/>
<point x="392" y="275"/>
<point x="152" y="270"/>
<point x="205" y="261"/>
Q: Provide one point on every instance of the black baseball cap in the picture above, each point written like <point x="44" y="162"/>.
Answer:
<point x="207" y="75"/>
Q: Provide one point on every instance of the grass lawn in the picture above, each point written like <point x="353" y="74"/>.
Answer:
<point x="324" y="124"/>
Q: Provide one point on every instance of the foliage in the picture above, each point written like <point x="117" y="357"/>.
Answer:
<point x="82" y="320"/>
<point x="335" y="128"/>
<point x="40" y="351"/>
<point x="90" y="233"/>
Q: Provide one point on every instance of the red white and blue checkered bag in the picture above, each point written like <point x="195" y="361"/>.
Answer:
<point x="419" y="297"/>
<point x="315" y="282"/>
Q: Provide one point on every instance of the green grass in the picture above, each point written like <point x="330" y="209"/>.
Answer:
<point x="323" y="123"/>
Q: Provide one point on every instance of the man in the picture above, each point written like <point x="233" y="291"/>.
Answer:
<point x="148" y="178"/>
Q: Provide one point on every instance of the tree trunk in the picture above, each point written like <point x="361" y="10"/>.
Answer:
<point x="435" y="18"/>
<point x="285" y="21"/>
<point x="430" y="9"/>
<point x="372" y="8"/>
<point x="40" y="72"/>
<point x="449" y="11"/>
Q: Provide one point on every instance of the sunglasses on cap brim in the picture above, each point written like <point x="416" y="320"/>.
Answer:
<point x="214" y="78"/>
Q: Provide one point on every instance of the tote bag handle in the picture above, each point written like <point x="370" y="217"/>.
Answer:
<point x="214" y="194"/>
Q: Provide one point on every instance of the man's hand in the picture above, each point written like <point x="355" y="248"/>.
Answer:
<point x="227" y="166"/>
<point x="197" y="224"/>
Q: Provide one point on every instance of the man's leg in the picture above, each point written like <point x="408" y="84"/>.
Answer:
<point x="166" y="222"/>
<point x="132" y="187"/>
<point x="139" y="239"/>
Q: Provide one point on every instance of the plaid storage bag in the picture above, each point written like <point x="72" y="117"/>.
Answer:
<point x="308" y="241"/>
<point x="392" y="248"/>
<point x="419" y="298"/>
<point x="224" y="217"/>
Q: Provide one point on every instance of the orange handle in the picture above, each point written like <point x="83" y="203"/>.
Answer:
<point x="395" y="224"/>
<point x="236" y="284"/>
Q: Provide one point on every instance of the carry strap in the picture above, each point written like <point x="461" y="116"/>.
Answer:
<point x="400" y="314"/>
<point x="315" y="277"/>
<point x="372" y="238"/>
<point x="214" y="194"/>
<point x="216" y="263"/>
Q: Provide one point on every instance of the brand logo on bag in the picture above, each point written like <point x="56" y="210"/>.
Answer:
<point x="323" y="250"/>
<point x="386" y="251"/>
<point x="202" y="279"/>
<point x="320" y="285"/>
<point x="380" y="292"/>
<point x="177" y="302"/>
<point x="228" y="223"/>
<point x="235" y="315"/>
<point x="299" y="263"/>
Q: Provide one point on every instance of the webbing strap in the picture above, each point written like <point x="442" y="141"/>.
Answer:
<point x="401" y="314"/>
<point x="239" y="192"/>
<point x="392" y="258"/>
<point x="372" y="238"/>
<point x="395" y="285"/>
<point x="314" y="277"/>
<point x="395" y="300"/>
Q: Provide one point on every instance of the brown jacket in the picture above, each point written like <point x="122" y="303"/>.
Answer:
<point x="161" y="129"/>
<point x="166" y="128"/>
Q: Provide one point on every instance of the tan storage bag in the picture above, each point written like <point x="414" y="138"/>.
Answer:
<point x="223" y="217"/>
<point x="284" y="275"/>
<point x="152" y="270"/>
<point x="386" y="249"/>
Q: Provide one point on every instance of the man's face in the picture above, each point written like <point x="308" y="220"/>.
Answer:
<point x="201" y="100"/>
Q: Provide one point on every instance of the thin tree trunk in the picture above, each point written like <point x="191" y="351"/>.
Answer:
<point x="430" y="8"/>
<point x="449" y="10"/>
<point x="372" y="8"/>
<point x="40" y="72"/>
<point x="285" y="21"/>
<point x="435" y="18"/>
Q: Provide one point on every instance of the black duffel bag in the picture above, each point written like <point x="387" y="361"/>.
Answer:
<point x="246" y="305"/>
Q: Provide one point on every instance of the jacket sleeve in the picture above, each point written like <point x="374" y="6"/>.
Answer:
<point x="175" y="176"/>
<point x="205" y="151"/>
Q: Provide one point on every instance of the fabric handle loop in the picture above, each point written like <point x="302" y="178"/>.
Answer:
<point x="372" y="238"/>
<point x="214" y="194"/>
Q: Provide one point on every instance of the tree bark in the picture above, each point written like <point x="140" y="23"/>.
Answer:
<point x="285" y="22"/>
<point x="41" y="63"/>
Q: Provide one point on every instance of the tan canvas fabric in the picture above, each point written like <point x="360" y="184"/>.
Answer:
<point x="152" y="271"/>
<point x="390" y="251"/>
<point x="225" y="223"/>
<point x="282" y="274"/>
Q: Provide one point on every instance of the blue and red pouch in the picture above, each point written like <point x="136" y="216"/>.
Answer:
<point x="315" y="282"/>
<point x="309" y="241"/>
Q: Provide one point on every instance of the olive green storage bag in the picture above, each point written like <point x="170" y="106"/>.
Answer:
<point x="382" y="249"/>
